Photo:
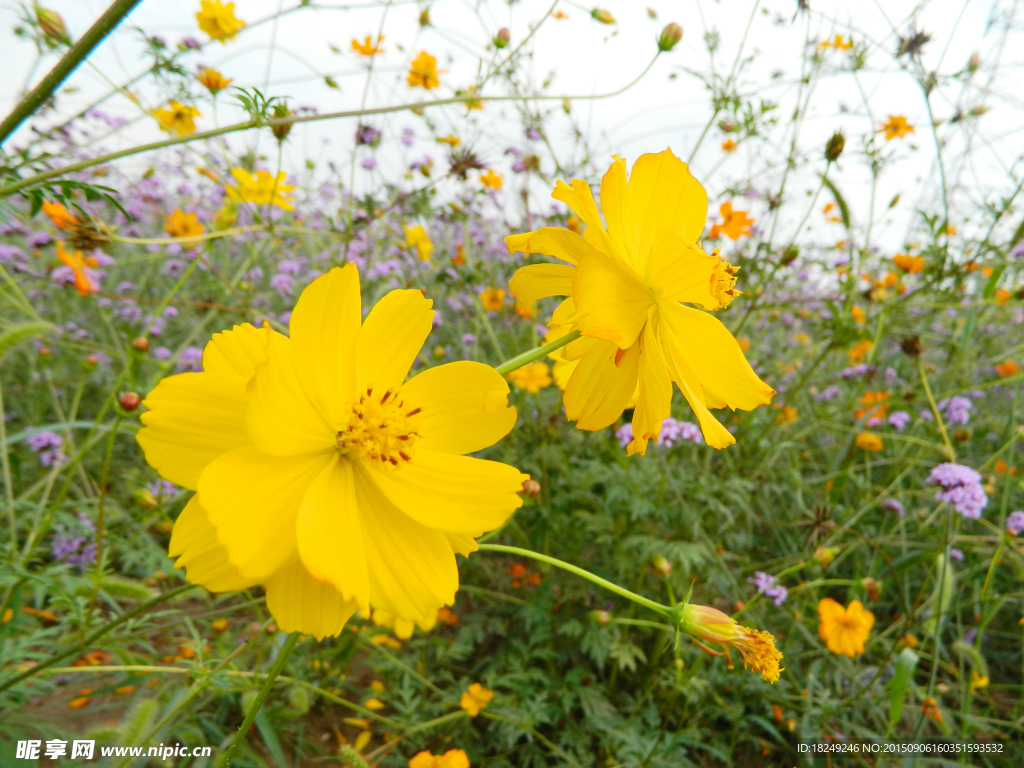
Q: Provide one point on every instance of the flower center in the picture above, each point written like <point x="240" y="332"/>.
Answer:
<point x="379" y="429"/>
<point x="723" y="281"/>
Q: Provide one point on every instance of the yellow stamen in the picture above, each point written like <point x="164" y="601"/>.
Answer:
<point x="379" y="430"/>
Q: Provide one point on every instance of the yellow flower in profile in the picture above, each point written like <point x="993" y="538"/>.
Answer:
<point x="492" y="299"/>
<point x="978" y="681"/>
<point x="755" y="646"/>
<point x="1006" y="369"/>
<point x="321" y="472"/>
<point x="451" y="141"/>
<point x="896" y="127"/>
<point x="532" y="378"/>
<point x="417" y="237"/>
<point x="629" y="283"/>
<point x="876" y="405"/>
<point x="475" y="698"/>
<point x="491" y="179"/>
<point x="868" y="441"/>
<point x="844" y="630"/>
<point x="788" y="415"/>
<point x="908" y="263"/>
<point x="368" y="47"/>
<point x="603" y="16"/>
<point x="260" y="188"/>
<point x="735" y="224"/>
<point x="84" y="282"/>
<point x="839" y="43"/>
<point x="860" y="350"/>
<point x="213" y="80"/>
<point x="61" y="217"/>
<point x="177" y="118"/>
<point x="404" y="627"/>
<point x="728" y="145"/>
<point x="423" y="72"/>
<point x="453" y="758"/>
<point x="930" y="709"/>
<point x="181" y="224"/>
<point x="218" y="20"/>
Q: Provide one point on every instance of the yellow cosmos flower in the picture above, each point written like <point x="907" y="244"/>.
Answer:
<point x="453" y="758"/>
<point x="218" y="20"/>
<point x="261" y="188"/>
<point x="475" y="698"/>
<point x="629" y="279"/>
<point x="896" y="127"/>
<point x="61" y="217"/>
<point x="451" y="140"/>
<point x="908" y="263"/>
<point x="735" y="224"/>
<point x="755" y="646"/>
<point x="368" y="47"/>
<point x="177" y="118"/>
<point x="213" y="80"/>
<point x="492" y="299"/>
<point x="844" y="630"/>
<point x="532" y="378"/>
<point x="491" y="179"/>
<point x="417" y="237"/>
<point x="321" y="472"/>
<point x="181" y="224"/>
<point x="423" y="72"/>
<point x="868" y="441"/>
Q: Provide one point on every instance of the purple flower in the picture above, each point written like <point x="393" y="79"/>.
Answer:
<point x="79" y="551"/>
<point x="956" y="554"/>
<point x="899" y="419"/>
<point x="367" y="135"/>
<point x="826" y="394"/>
<point x="163" y="488"/>
<point x="624" y="434"/>
<point x="48" y="445"/>
<point x="468" y="338"/>
<point x="190" y="43"/>
<point x="970" y="636"/>
<point x="369" y="163"/>
<point x="669" y="432"/>
<point x="283" y="284"/>
<point x="290" y="267"/>
<point x="191" y="359"/>
<point x="533" y="134"/>
<point x="856" y="370"/>
<point x="161" y="353"/>
<point x="961" y="487"/>
<point x="1015" y="523"/>
<point x="769" y="585"/>
<point x="892" y="505"/>
<point x="407" y="136"/>
<point x="957" y="410"/>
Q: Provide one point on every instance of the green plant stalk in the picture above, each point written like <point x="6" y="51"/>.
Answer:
<point x="535" y="354"/>
<point x="100" y="503"/>
<point x="935" y="411"/>
<point x="275" y="670"/>
<point x="8" y="488"/>
<point x="103" y="26"/>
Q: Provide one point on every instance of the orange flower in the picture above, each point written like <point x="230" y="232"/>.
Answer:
<point x="860" y="351"/>
<point x="788" y="415"/>
<point x="1002" y="296"/>
<point x="744" y="343"/>
<point x="453" y="758"/>
<point x="460" y="256"/>
<point x="728" y="145"/>
<point x="839" y="43"/>
<point x="827" y="210"/>
<point x="493" y="299"/>
<point x="868" y="441"/>
<point x="475" y="698"/>
<point x="447" y="616"/>
<point x="930" y="708"/>
<point x="735" y="224"/>
<point x="61" y="217"/>
<point x="908" y="263"/>
<point x="844" y="630"/>
<point x="181" y="224"/>
<point x="858" y="315"/>
<point x="1009" y="368"/>
<point x="491" y="179"/>
<point x="451" y="141"/>
<point x="896" y="127"/>
<point x="213" y="80"/>
<point x="368" y="47"/>
<point x="423" y="72"/>
<point x="84" y="283"/>
<point x="875" y="404"/>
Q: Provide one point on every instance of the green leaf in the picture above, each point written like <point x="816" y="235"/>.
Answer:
<point x="906" y="663"/>
<point x="270" y="738"/>
<point x="19" y="333"/>
<point x="844" y="209"/>
<point x="942" y="596"/>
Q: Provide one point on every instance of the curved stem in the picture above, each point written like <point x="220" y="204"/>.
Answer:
<point x="935" y="410"/>
<point x="535" y="354"/>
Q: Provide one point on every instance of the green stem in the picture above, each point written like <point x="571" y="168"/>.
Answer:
<point x="8" y="488"/>
<point x="79" y="51"/>
<point x="275" y="670"/>
<point x="935" y="411"/>
<point x="100" y="503"/>
<point x="536" y="354"/>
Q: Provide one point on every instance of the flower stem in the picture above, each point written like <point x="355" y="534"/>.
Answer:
<point x="536" y="354"/>
<point x="935" y="410"/>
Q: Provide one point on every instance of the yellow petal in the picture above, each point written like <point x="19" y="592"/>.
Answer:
<point x="194" y="543"/>
<point x="599" y="388"/>
<point x="663" y="194"/>
<point x="538" y="281"/>
<point x="613" y="204"/>
<point x="324" y="330"/>
<point x="581" y="200"/>
<point x="461" y="543"/>
<point x="654" y="399"/>
<point x="280" y="418"/>
<point x="300" y="603"/>
<point x="464" y="407"/>
<point x="192" y="419"/>
<point x="253" y="498"/>
<point x="452" y="493"/>
<point x="237" y="352"/>
<point x="611" y="303"/>
<point x="549" y="241"/>
<point x="679" y="271"/>
<point x="391" y="339"/>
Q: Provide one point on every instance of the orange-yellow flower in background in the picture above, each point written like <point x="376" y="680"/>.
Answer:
<point x="876" y="405"/>
<point x="217" y="19"/>
<point x="628" y="279"/>
<point x="858" y="315"/>
<point x="978" y="681"/>
<point x="603" y="16"/>
<point x="827" y="211"/>
<point x="453" y="758"/>
<point x="61" y="217"/>
<point x="1002" y="297"/>
<point x="368" y="47"/>
<point x="896" y="127"/>
<point x="403" y="627"/>
<point x="573" y="224"/>
<point x="491" y="179"/>
<point x="860" y="350"/>
<point x="423" y="72"/>
<point x="261" y="188"/>
<point x="756" y="647"/>
<point x="492" y="299"/>
<point x="451" y="141"/>
<point x="839" y="42"/>
<point x="728" y="145"/>
<point x="559" y="15"/>
<point x="868" y="441"/>
<point x="950" y="228"/>
<point x="1009" y="368"/>
<point x="460" y="256"/>
<point x="744" y="343"/>
<point x="844" y="630"/>
<point x="735" y="224"/>
<point x="908" y="263"/>
<point x="532" y="378"/>
<point x="213" y="80"/>
<point x="177" y="118"/>
<point x="824" y="556"/>
<point x="321" y="472"/>
<point x="475" y="698"/>
<point x="181" y="224"/>
<point x="84" y="283"/>
<point x="930" y="708"/>
<point x="417" y="237"/>
<point x="787" y="415"/>
<point x="208" y="174"/>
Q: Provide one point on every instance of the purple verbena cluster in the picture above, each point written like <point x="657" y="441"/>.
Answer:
<point x="769" y="585"/>
<point x="961" y="487"/>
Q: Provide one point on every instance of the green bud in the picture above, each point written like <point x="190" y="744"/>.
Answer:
<point x="501" y="39"/>
<point x="834" y="146"/>
<point x="670" y="37"/>
<point x="281" y="131"/>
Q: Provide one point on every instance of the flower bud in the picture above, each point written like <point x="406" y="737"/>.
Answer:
<point x="129" y="401"/>
<point x="501" y="39"/>
<point x="662" y="565"/>
<point x="823" y="556"/>
<point x="834" y="146"/>
<point x="600" y="617"/>
<point x="91" y="361"/>
<point x="140" y="343"/>
<point x="281" y="131"/>
<point x="52" y="26"/>
<point x="605" y="17"/>
<point x="872" y="587"/>
<point x="790" y="254"/>
<point x="531" y="488"/>
<point x="220" y="625"/>
<point x="670" y="37"/>
<point x="911" y="346"/>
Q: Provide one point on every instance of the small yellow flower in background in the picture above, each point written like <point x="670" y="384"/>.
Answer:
<point x="417" y="237"/>
<point x="1002" y="297"/>
<point x="756" y="647"/>
<point x="451" y="141"/>
<point x="876" y="405"/>
<point x="1003" y="370"/>
<point x="559" y="15"/>
<point x="423" y="72"/>
<point x="603" y="16"/>
<point x="802" y="338"/>
<point x="951" y="228"/>
<point x="61" y="217"/>
<point x="839" y="42"/>
<point x="930" y="708"/>
<point x="978" y="681"/>
<point x="261" y="188"/>
<point x="404" y="627"/>
<point x="475" y="698"/>
<point x="908" y="263"/>
<point x="220" y="625"/>
<point x="844" y="630"/>
<point x="910" y="641"/>
<point x="208" y="174"/>
<point x="787" y="416"/>
<point x="218" y="20"/>
<point x="374" y="704"/>
<point x="453" y="758"/>
<point x="824" y="556"/>
<point x="827" y="212"/>
<point x="728" y="145"/>
<point x="362" y="740"/>
<point x="84" y="283"/>
<point x="868" y="441"/>
<point x="573" y="225"/>
<point x="532" y="378"/>
<point x="213" y="80"/>
<point x="390" y="642"/>
<point x="491" y="179"/>
<point x="492" y="299"/>
<point x="860" y="350"/>
<point x="735" y="224"/>
<point x="896" y="127"/>
<point x="744" y="343"/>
<point x="858" y="315"/>
<point x="368" y="47"/>
<point x="177" y="118"/>
<point x="181" y="224"/>
<point x="225" y="216"/>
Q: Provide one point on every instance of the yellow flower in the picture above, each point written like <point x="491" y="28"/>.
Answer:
<point x="453" y="758"/>
<point x="844" y="630"/>
<point x="423" y="72"/>
<point x="1003" y="370"/>
<point x="417" y="237"/>
<point x="860" y="350"/>
<point x="728" y="145"/>
<point x="603" y="16"/>
<point x="321" y="472"/>
<point x="1002" y="297"/>
<point x="533" y="377"/>
<point x="930" y="708"/>
<point x="475" y="698"/>
<point x="491" y="179"/>
<point x="213" y="80"/>
<point x="978" y="681"/>
<point x="734" y="224"/>
<point x="368" y="47"/>
<point x="824" y="556"/>
<point x="788" y="415"/>
<point x="404" y="627"/>
<point x="876" y="405"/>
<point x="84" y="283"/>
<point x="492" y="299"/>
<point x="908" y="263"/>
<point x="177" y="118"/>
<point x="181" y="224"/>
<point x="756" y="647"/>
<point x="451" y="141"/>
<point x="260" y="188"/>
<point x="61" y="217"/>
<point x="896" y="127"/>
<point x="374" y="704"/>
<point x="858" y="315"/>
<point x="628" y="284"/>
<point x="868" y="441"/>
<point x="218" y="20"/>
<point x="839" y="43"/>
